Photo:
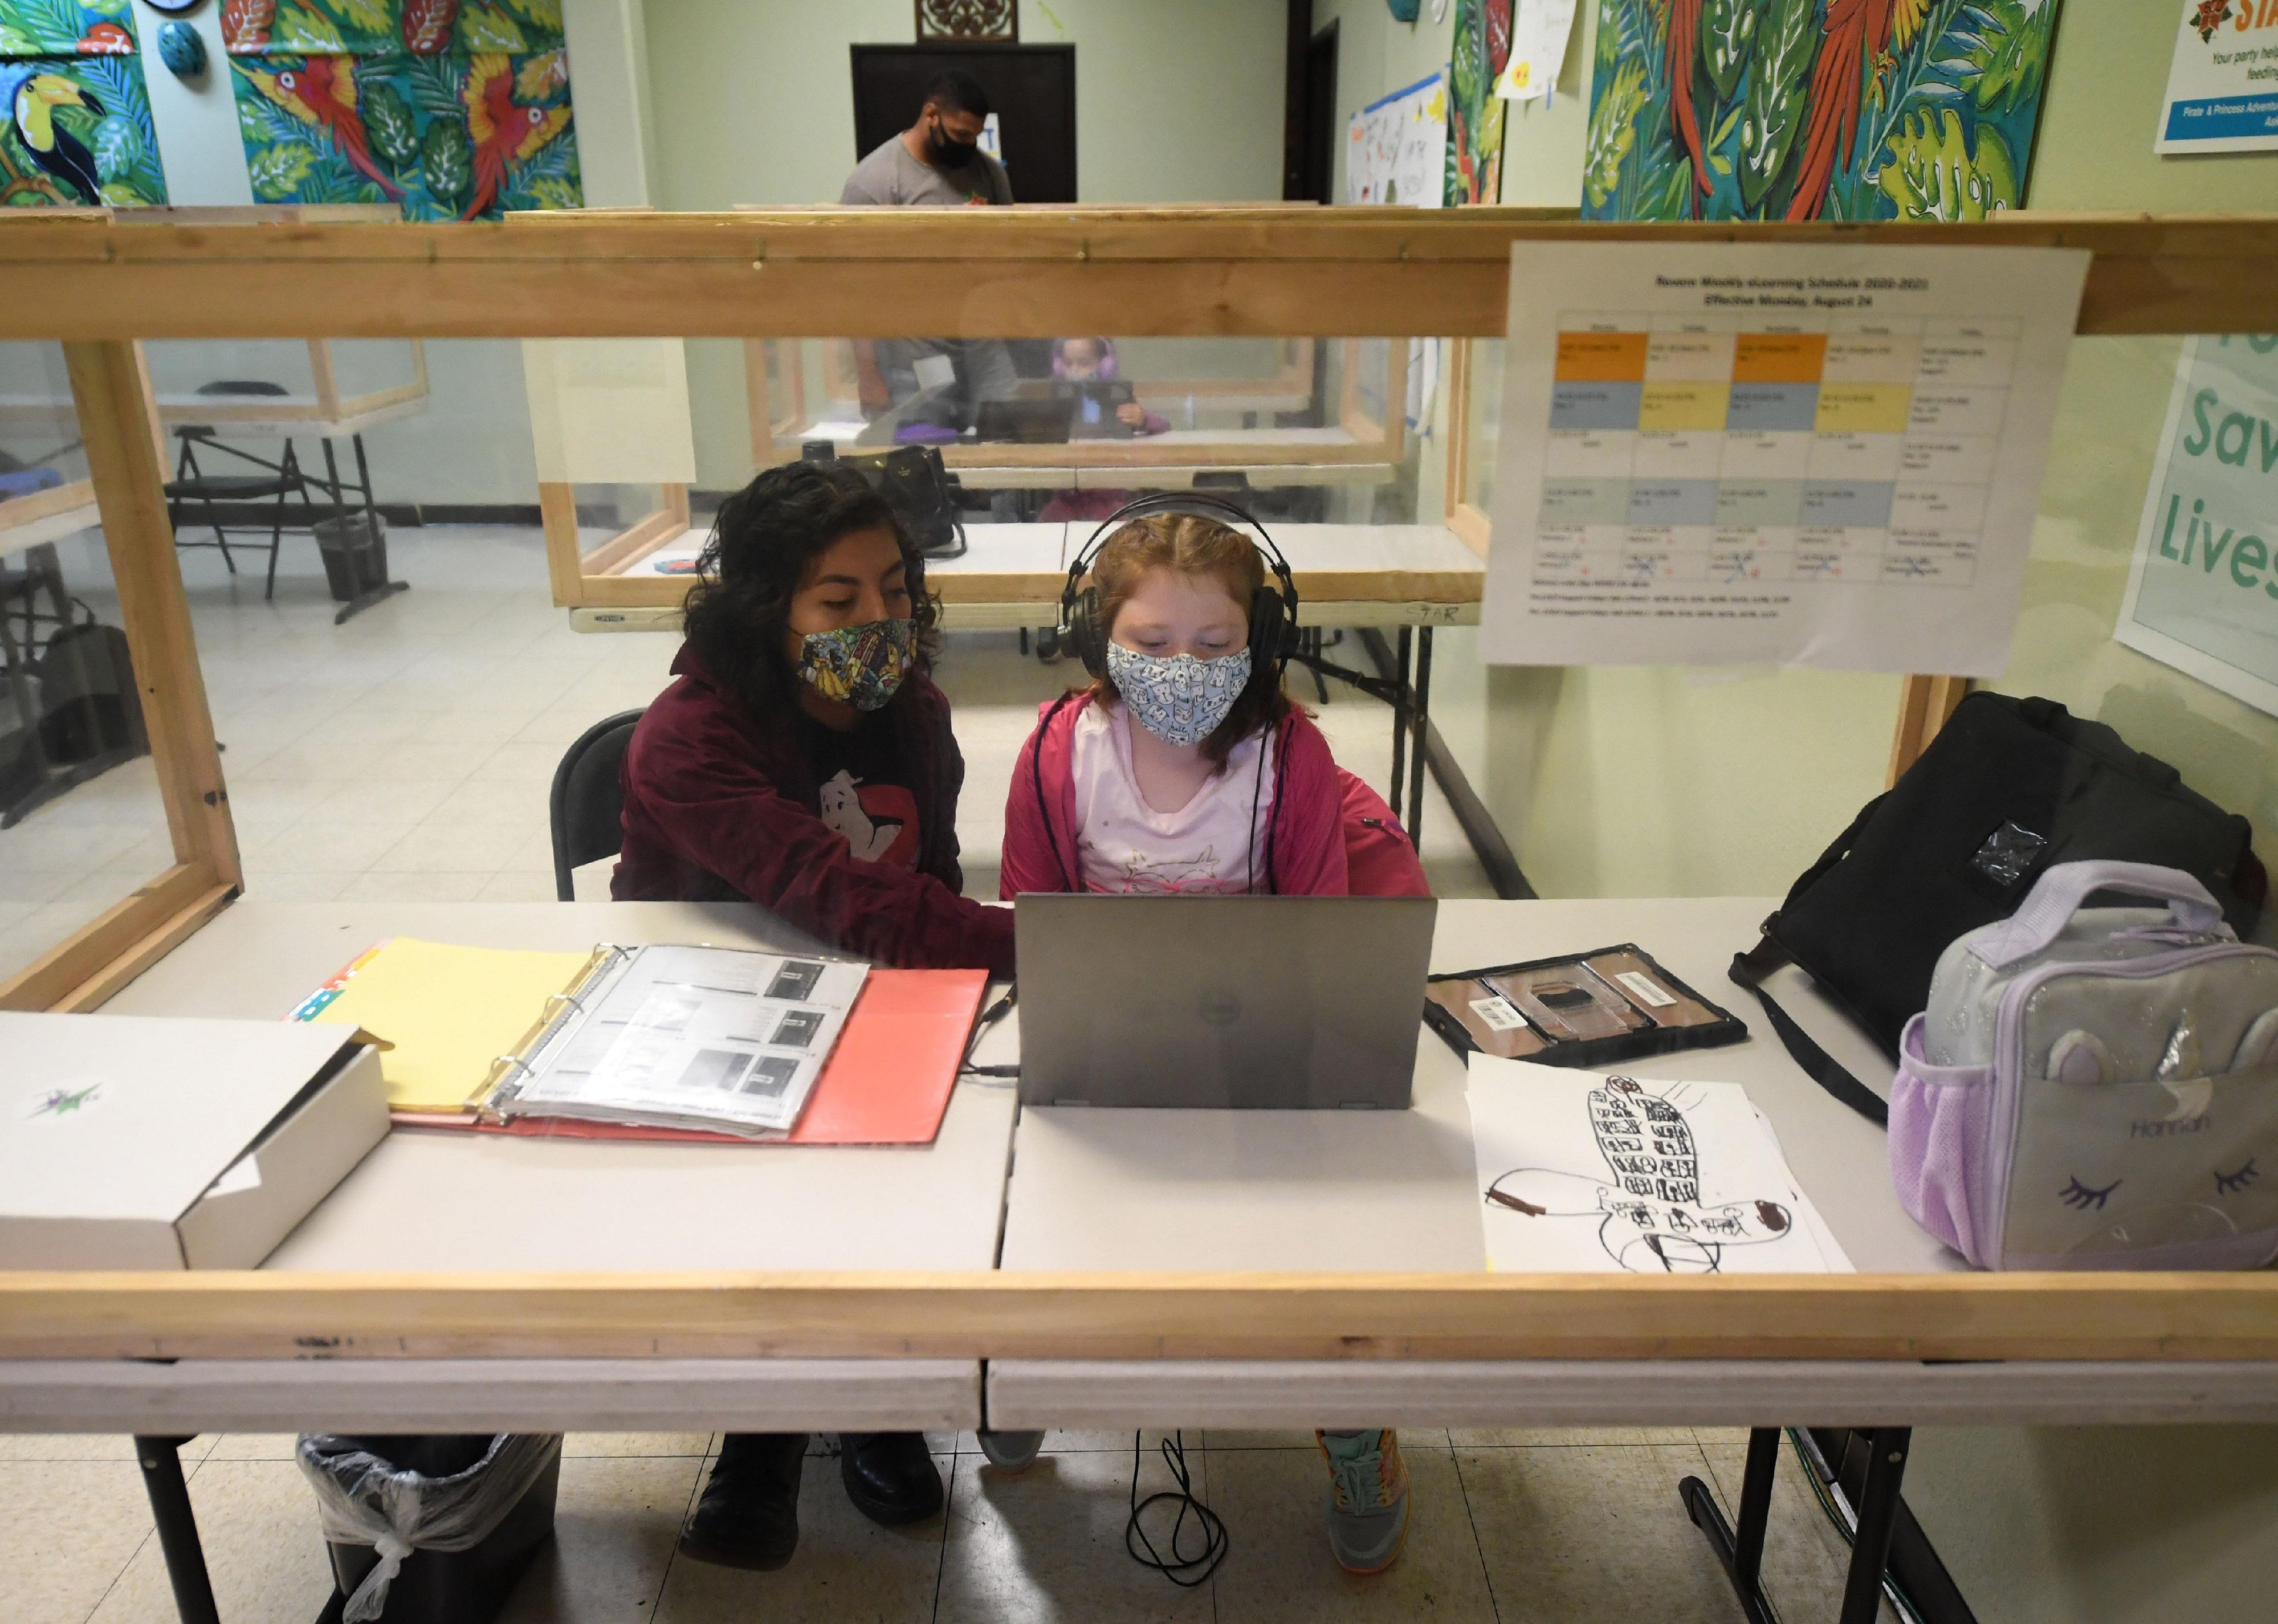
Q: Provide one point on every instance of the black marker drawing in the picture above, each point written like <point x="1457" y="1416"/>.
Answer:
<point x="2227" y="1183"/>
<point x="1651" y="1218"/>
<point x="2078" y="1196"/>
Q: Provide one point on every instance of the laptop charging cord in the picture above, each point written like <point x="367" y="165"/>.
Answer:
<point x="989" y="1017"/>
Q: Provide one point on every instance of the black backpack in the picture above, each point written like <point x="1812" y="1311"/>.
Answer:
<point x="2007" y="787"/>
<point x="89" y="703"/>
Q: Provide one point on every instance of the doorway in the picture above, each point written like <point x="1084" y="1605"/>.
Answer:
<point x="1031" y="87"/>
<point x="1309" y="158"/>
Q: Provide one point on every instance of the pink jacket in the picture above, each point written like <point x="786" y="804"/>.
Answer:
<point x="1321" y="815"/>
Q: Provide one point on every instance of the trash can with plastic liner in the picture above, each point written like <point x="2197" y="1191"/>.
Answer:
<point x="354" y="547"/>
<point x="432" y="1529"/>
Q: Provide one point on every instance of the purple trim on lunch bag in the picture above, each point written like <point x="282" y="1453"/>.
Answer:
<point x="2058" y="893"/>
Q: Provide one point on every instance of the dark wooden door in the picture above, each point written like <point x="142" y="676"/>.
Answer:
<point x="1031" y="89"/>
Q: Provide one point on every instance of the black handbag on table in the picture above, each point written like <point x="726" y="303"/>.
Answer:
<point x="2007" y="787"/>
<point x="920" y="489"/>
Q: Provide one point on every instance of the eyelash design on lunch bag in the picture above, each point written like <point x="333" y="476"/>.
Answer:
<point x="2226" y="1183"/>
<point x="2078" y="1196"/>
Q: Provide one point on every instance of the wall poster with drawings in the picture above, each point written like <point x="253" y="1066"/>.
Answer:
<point x="1396" y="148"/>
<point x="1591" y="1174"/>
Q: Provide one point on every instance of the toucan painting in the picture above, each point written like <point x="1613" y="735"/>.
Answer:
<point x="31" y="98"/>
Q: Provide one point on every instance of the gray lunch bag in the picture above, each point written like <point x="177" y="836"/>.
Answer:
<point x="2096" y="1087"/>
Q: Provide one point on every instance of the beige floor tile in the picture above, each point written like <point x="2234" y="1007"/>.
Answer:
<point x="444" y="845"/>
<point x="71" y="1529"/>
<point x="605" y="1445"/>
<point x="848" y="1569"/>
<point x="258" y="1521"/>
<point x="315" y="845"/>
<point x="614" y="1528"/>
<point x="274" y="886"/>
<point x="518" y="885"/>
<point x="1279" y="1566"/>
<point x="401" y="802"/>
<point x="1805" y="1560"/>
<point x="89" y="1446"/>
<point x="1581" y="1532"/>
<point x="1540" y="1437"/>
<point x="1048" y="1543"/>
<point x="1241" y="1438"/>
<point x="413" y="886"/>
<point x="253" y="1447"/>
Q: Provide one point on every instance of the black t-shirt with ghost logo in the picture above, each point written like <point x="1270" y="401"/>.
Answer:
<point x="865" y="792"/>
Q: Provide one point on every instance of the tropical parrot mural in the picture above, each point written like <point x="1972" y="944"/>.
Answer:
<point x="75" y="132"/>
<point x="452" y="111"/>
<point x="1804" y="109"/>
<point x="66" y="28"/>
<point x="75" y="127"/>
<point x="1475" y="113"/>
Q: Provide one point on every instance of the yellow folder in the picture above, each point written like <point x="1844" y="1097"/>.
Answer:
<point x="448" y="1012"/>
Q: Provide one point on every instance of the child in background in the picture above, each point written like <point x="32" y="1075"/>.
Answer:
<point x="1185" y="768"/>
<point x="1080" y="361"/>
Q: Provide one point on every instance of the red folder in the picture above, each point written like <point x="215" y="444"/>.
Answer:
<point x="887" y="1082"/>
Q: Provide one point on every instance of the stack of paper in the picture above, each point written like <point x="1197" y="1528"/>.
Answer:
<point x="1581" y="1172"/>
<point x="447" y="1013"/>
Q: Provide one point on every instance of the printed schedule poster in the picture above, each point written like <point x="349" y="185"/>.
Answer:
<point x="1743" y="454"/>
<point x="2203" y="591"/>
<point x="2223" y="82"/>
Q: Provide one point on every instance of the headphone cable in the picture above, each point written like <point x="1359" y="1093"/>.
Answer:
<point x="1184" y="1571"/>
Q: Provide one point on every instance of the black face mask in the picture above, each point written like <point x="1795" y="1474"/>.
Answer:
<point x="945" y="153"/>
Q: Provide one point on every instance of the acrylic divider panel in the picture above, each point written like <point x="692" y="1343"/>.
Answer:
<point x="82" y="825"/>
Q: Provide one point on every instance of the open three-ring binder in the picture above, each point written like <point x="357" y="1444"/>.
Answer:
<point x="660" y="1041"/>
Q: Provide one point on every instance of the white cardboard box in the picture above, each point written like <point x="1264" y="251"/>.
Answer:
<point x="139" y="1142"/>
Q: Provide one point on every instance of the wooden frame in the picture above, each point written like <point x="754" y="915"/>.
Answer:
<point x="1343" y="273"/>
<point x="247" y="1315"/>
<point x="329" y="407"/>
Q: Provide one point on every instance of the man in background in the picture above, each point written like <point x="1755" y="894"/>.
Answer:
<point x="936" y="164"/>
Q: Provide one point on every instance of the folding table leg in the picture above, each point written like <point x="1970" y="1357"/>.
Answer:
<point x="1402" y="693"/>
<point x="1419" y="724"/>
<point x="178" y="1529"/>
<point x="1741" y="1549"/>
<point x="1878" y="1514"/>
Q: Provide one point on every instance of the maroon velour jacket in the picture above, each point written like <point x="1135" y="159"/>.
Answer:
<point x="721" y="805"/>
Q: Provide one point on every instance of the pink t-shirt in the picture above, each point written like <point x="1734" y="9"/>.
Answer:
<point x="1212" y="843"/>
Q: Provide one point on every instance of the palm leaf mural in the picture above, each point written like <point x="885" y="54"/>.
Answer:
<point x="1788" y="95"/>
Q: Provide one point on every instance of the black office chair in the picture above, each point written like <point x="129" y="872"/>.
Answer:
<point x="587" y="806"/>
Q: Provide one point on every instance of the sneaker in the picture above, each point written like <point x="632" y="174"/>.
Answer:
<point x="1011" y="1452"/>
<point x="748" y="1516"/>
<point x="1367" y="1507"/>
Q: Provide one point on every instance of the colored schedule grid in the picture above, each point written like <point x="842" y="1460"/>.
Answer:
<point x="1685" y="449"/>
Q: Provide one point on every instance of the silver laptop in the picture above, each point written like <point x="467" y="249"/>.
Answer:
<point x="1274" y="1002"/>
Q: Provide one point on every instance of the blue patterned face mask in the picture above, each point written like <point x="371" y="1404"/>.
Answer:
<point x="861" y="665"/>
<point x="1179" y="699"/>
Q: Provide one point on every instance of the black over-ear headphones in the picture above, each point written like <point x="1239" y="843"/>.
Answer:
<point x="1273" y="614"/>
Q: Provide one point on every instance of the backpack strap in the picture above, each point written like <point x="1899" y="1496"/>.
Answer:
<point x="1750" y="969"/>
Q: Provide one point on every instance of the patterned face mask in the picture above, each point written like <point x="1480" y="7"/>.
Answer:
<point x="860" y="665"/>
<point x="1179" y="699"/>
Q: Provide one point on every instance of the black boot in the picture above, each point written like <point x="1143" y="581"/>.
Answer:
<point x="748" y="1516"/>
<point x="889" y="1476"/>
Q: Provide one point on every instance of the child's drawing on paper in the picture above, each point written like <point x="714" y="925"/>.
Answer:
<point x="1647" y="1201"/>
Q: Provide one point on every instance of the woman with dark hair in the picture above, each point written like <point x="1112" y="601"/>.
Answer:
<point x="802" y="760"/>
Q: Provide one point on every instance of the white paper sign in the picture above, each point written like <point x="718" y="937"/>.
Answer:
<point x="1539" y="31"/>
<point x="1584" y="1173"/>
<point x="2202" y="590"/>
<point x="1396" y="148"/>
<point x="2223" y="83"/>
<point x="1738" y="455"/>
